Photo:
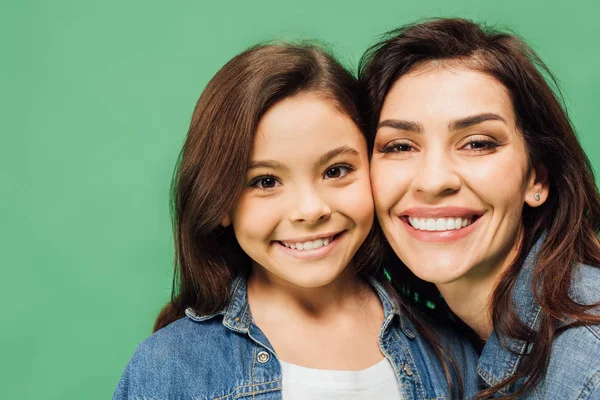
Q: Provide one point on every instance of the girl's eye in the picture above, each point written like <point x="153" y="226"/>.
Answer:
<point x="480" y="144"/>
<point x="338" y="171"/>
<point x="397" y="147"/>
<point x="265" y="182"/>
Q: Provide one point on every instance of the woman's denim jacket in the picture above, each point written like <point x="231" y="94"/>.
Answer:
<point x="226" y="356"/>
<point x="574" y="366"/>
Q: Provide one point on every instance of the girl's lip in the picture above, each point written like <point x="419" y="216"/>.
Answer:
<point x="314" y="254"/>
<point x="439" y="236"/>
<point x="310" y="238"/>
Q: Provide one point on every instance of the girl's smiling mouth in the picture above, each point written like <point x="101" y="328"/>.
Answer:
<point x="310" y="248"/>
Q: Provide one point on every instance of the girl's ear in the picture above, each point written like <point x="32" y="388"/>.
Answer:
<point x="226" y="221"/>
<point x="538" y="188"/>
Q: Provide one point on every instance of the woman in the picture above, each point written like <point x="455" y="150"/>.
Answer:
<point x="482" y="189"/>
<point x="278" y="291"/>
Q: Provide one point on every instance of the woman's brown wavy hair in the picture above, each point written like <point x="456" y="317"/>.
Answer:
<point x="211" y="170"/>
<point x="570" y="217"/>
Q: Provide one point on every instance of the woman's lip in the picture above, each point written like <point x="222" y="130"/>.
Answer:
<point x="439" y="236"/>
<point x="440" y="212"/>
<point x="310" y="254"/>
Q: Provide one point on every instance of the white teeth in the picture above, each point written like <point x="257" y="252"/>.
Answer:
<point x="450" y="224"/>
<point x="310" y="245"/>
<point x="439" y="224"/>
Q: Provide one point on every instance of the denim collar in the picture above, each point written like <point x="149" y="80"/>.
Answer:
<point x="237" y="317"/>
<point x="501" y="356"/>
<point x="236" y="314"/>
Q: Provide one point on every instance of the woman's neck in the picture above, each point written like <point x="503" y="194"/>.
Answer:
<point x="470" y="297"/>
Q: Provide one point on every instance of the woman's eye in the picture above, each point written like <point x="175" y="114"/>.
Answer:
<point x="265" y="182"/>
<point x="338" y="171"/>
<point x="397" y="147"/>
<point x="479" y="145"/>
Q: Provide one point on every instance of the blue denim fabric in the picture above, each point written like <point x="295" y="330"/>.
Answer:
<point x="574" y="368"/>
<point x="226" y="356"/>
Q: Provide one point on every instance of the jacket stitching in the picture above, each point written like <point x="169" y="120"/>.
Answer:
<point x="589" y="386"/>
<point x="233" y="292"/>
<point x="253" y="364"/>
<point x="409" y="357"/>
<point x="258" y="392"/>
<point x="400" y="382"/>
<point x="243" y="319"/>
<point x="247" y="386"/>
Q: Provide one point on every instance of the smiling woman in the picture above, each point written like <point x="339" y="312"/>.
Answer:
<point x="482" y="189"/>
<point x="277" y="289"/>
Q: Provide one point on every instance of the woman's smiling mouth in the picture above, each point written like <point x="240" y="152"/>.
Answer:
<point x="440" y="224"/>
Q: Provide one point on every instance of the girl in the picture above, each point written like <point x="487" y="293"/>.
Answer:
<point x="482" y="188"/>
<point x="277" y="291"/>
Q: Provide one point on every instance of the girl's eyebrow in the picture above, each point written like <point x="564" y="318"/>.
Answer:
<point x="325" y="158"/>
<point x="270" y="164"/>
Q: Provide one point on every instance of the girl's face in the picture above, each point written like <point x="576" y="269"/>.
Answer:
<point x="450" y="173"/>
<point x="307" y="205"/>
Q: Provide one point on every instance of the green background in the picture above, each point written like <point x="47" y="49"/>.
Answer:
<point x="96" y="100"/>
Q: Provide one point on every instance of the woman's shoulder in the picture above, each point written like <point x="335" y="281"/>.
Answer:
<point x="585" y="284"/>
<point x="574" y="364"/>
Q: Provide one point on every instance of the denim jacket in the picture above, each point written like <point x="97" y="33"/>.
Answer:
<point x="574" y="366"/>
<point x="226" y="356"/>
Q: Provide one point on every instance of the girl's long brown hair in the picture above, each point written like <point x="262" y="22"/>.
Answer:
<point x="211" y="172"/>
<point x="211" y="169"/>
<point x="570" y="217"/>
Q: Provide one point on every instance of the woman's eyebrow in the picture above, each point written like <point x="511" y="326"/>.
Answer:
<point x="336" y="152"/>
<point x="467" y="122"/>
<point x="402" y="125"/>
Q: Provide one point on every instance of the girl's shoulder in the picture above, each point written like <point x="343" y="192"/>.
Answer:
<point x="185" y="356"/>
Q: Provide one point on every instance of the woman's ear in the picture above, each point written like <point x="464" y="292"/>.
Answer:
<point x="226" y="221"/>
<point x="538" y="188"/>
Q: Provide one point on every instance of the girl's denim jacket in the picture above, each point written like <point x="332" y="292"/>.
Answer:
<point x="574" y="365"/>
<point x="225" y="356"/>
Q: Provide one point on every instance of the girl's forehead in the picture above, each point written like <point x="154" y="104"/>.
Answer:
<point x="304" y="125"/>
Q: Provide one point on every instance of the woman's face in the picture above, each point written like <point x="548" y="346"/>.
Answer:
<point x="307" y="205"/>
<point x="450" y="173"/>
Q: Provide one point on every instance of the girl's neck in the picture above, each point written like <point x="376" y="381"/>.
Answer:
<point x="267" y="290"/>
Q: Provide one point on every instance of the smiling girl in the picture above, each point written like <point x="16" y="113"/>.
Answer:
<point x="482" y="188"/>
<point x="277" y="286"/>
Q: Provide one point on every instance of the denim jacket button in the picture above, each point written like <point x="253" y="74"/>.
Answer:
<point x="407" y="369"/>
<point x="263" y="357"/>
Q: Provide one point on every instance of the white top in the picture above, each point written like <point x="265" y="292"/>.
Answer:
<point x="376" y="382"/>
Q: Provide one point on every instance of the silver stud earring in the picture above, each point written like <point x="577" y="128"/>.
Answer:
<point x="537" y="197"/>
